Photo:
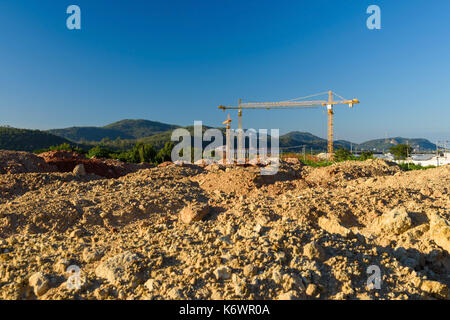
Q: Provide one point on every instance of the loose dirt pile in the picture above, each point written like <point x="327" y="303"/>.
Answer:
<point x="66" y="161"/>
<point x="304" y="233"/>
<point x="21" y="162"/>
<point x="341" y="172"/>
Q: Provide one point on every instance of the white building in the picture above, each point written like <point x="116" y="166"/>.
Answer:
<point x="421" y="159"/>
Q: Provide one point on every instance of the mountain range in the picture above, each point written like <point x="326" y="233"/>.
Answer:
<point x="124" y="129"/>
<point x="127" y="132"/>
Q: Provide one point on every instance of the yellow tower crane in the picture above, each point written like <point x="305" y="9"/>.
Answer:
<point x="299" y="103"/>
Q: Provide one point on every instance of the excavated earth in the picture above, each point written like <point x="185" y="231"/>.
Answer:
<point x="218" y="232"/>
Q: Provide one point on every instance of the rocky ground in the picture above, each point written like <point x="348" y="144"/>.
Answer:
<point x="216" y="232"/>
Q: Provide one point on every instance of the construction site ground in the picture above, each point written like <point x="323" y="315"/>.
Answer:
<point x="218" y="232"/>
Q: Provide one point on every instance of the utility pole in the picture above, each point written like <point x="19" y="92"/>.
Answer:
<point x="437" y="153"/>
<point x="407" y="151"/>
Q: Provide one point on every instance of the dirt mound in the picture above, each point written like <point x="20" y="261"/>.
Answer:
<point x="349" y="170"/>
<point x="66" y="161"/>
<point x="22" y="162"/>
<point x="241" y="180"/>
<point x="90" y="201"/>
<point x="15" y="185"/>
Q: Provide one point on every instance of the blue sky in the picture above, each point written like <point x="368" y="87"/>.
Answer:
<point x="176" y="61"/>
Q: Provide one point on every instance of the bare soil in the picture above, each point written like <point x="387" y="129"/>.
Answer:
<point x="304" y="233"/>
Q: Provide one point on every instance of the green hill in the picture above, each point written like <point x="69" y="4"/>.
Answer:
<point x="27" y="140"/>
<point x="385" y="144"/>
<point x="89" y="134"/>
<point x="125" y="129"/>
<point x="140" y="128"/>
<point x="294" y="142"/>
<point x="158" y="140"/>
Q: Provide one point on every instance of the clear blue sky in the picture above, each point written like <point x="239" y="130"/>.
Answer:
<point x="176" y="61"/>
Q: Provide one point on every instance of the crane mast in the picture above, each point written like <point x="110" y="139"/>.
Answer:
<point x="330" y="126"/>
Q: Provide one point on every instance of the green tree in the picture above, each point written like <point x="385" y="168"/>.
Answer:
<point x="142" y="153"/>
<point x="99" y="152"/>
<point x="401" y="151"/>
<point x="61" y="147"/>
<point x="342" y="154"/>
<point x="366" y="155"/>
<point x="165" y="154"/>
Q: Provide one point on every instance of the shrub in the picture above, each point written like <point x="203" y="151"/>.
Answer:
<point x="142" y="153"/>
<point x="400" y="151"/>
<point x="99" y="152"/>
<point x="366" y="155"/>
<point x="343" y="154"/>
<point x="61" y="147"/>
<point x="165" y="153"/>
<point x="412" y="166"/>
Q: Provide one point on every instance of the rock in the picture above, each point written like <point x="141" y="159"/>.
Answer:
<point x="333" y="226"/>
<point x="222" y="273"/>
<point x="347" y="288"/>
<point x="119" y="268"/>
<point x="79" y="170"/>
<point x="61" y="265"/>
<point x="194" y="212"/>
<point x="214" y="167"/>
<point x="238" y="284"/>
<point x="151" y="284"/>
<point x="165" y="164"/>
<point x="281" y="256"/>
<point x="292" y="160"/>
<point x="393" y="222"/>
<point x="175" y="294"/>
<point x="292" y="281"/>
<point x="39" y="283"/>
<point x="276" y="276"/>
<point x="290" y="295"/>
<point x="216" y="295"/>
<point x="77" y="233"/>
<point x="225" y="239"/>
<point x="92" y="254"/>
<point x="314" y="251"/>
<point x="100" y="294"/>
<point x="257" y="228"/>
<point x="249" y="270"/>
<point x="440" y="231"/>
<point x="435" y="289"/>
<point x="312" y="290"/>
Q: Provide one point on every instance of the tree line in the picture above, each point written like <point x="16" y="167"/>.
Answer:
<point x="139" y="153"/>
